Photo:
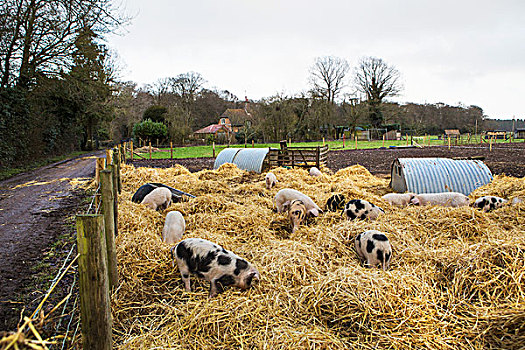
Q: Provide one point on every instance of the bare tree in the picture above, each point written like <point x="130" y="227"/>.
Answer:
<point x="38" y="36"/>
<point x="187" y="85"/>
<point x="377" y="80"/>
<point x="327" y="76"/>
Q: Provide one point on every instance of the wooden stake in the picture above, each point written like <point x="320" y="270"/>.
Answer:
<point x="213" y="147"/>
<point x="406" y="137"/>
<point x="356" y="142"/>
<point x="95" y="308"/>
<point x="171" y="150"/>
<point x="131" y="150"/>
<point x="117" y="169"/>
<point x="108" y="209"/>
<point x="490" y="144"/>
<point x="101" y="164"/>
<point x="253" y="144"/>
<point x="150" y="150"/>
<point x="109" y="156"/>
<point x="323" y="141"/>
<point x="449" y="142"/>
<point x="115" y="197"/>
<point x="343" y="139"/>
<point x="384" y="136"/>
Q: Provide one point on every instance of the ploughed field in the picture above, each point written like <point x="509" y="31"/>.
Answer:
<point x="455" y="281"/>
<point x="505" y="158"/>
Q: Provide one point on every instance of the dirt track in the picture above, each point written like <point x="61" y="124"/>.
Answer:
<point x="34" y="212"/>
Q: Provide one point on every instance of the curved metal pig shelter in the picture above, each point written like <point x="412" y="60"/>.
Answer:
<point x="432" y="175"/>
<point x="250" y="159"/>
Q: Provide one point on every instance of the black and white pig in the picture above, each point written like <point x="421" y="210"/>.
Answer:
<point x="488" y="203"/>
<point x="335" y="203"/>
<point x="213" y="263"/>
<point x="373" y="249"/>
<point x="361" y="209"/>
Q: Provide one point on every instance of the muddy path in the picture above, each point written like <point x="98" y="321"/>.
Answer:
<point x="35" y="210"/>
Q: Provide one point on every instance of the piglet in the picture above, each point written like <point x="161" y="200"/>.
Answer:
<point x="270" y="180"/>
<point x="445" y="199"/>
<point x="315" y="172"/>
<point x="361" y="209"/>
<point x="296" y="213"/>
<point x="335" y="202"/>
<point x="488" y="203"/>
<point x="284" y="197"/>
<point x="373" y="249"/>
<point x="173" y="227"/>
<point x="213" y="263"/>
<point x="399" y="199"/>
<point x="158" y="199"/>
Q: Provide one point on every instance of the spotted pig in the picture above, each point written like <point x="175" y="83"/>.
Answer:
<point x="335" y="203"/>
<point x="284" y="197"/>
<point x="361" y="209"/>
<point x="373" y="249"/>
<point x="296" y="213"/>
<point x="488" y="203"/>
<point x="213" y="263"/>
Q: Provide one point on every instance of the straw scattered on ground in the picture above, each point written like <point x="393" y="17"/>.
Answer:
<point x="456" y="279"/>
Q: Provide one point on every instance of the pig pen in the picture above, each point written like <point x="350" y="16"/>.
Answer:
<point x="456" y="277"/>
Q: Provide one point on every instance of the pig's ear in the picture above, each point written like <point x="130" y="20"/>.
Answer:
<point x="250" y="277"/>
<point x="414" y="201"/>
<point x="286" y="205"/>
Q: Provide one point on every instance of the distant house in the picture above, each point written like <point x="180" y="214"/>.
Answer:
<point x="231" y="122"/>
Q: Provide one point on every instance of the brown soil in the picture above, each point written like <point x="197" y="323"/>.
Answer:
<point x="504" y="158"/>
<point x="37" y="221"/>
<point x="36" y="233"/>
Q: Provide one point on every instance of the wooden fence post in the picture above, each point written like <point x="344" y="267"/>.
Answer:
<point x="115" y="197"/>
<point x="449" y="142"/>
<point x="253" y="144"/>
<point x="213" y="147"/>
<point x="150" y="150"/>
<point x="171" y="150"/>
<point x="356" y="142"/>
<point x="384" y="136"/>
<point x="108" y="209"/>
<point x="117" y="163"/>
<point x="95" y="308"/>
<point x="101" y="162"/>
<point x="109" y="156"/>
<point x="131" y="150"/>
<point x="323" y="141"/>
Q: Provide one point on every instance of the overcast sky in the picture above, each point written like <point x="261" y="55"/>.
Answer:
<point x="450" y="51"/>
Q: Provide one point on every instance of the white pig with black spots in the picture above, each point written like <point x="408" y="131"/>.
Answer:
<point x="489" y="203"/>
<point x="361" y="209"/>
<point x="214" y="264"/>
<point x="373" y="249"/>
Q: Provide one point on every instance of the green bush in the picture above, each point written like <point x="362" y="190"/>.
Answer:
<point x="149" y="130"/>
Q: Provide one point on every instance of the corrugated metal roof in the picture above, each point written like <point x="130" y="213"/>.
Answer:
<point x="225" y="156"/>
<point x="433" y="175"/>
<point x="250" y="159"/>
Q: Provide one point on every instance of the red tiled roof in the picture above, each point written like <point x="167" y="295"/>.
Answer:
<point x="212" y="129"/>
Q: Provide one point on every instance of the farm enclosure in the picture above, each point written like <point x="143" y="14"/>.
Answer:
<point x="455" y="279"/>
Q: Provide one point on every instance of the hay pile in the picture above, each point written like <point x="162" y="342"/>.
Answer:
<point x="456" y="278"/>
